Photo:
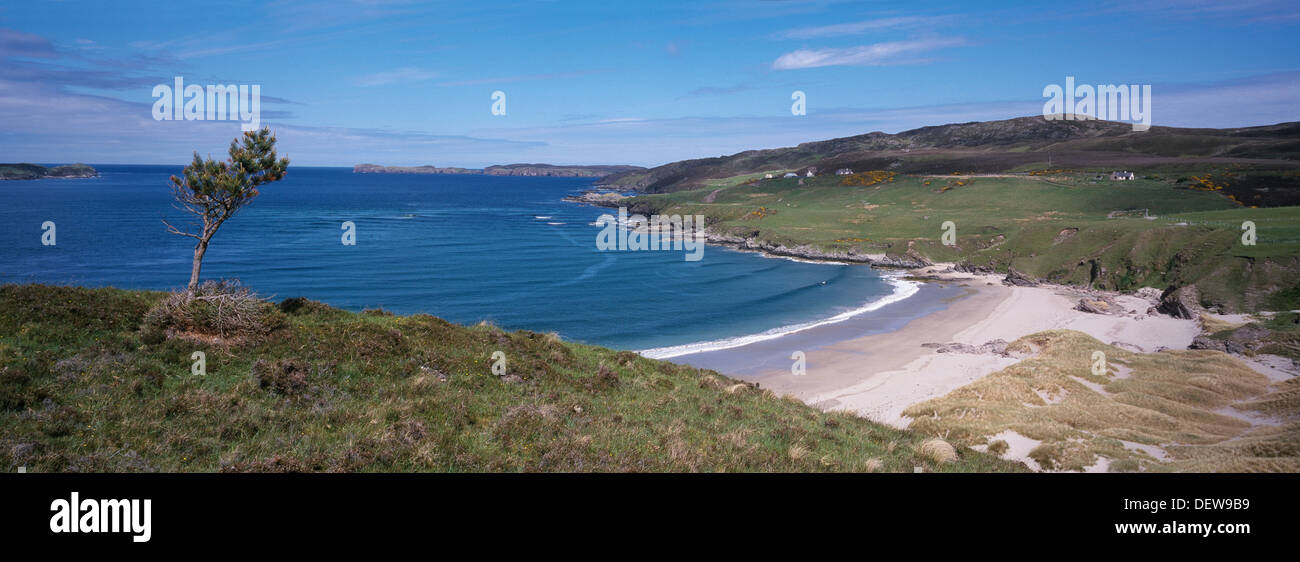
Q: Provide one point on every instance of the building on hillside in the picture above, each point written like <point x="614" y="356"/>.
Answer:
<point x="812" y="171"/>
<point x="1121" y="176"/>
<point x="767" y="176"/>
<point x="844" y="172"/>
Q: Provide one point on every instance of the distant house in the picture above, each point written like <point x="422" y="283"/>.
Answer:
<point x="843" y="172"/>
<point x="1121" y="176"/>
<point x="790" y="175"/>
<point x="812" y="171"/>
<point x="767" y="176"/>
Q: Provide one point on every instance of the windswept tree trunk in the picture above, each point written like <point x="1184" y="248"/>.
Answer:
<point x="199" y="249"/>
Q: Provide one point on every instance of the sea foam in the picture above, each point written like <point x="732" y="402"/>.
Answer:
<point x="902" y="290"/>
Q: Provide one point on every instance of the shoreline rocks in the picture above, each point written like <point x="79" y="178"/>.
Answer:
<point x="1018" y="279"/>
<point x="803" y="251"/>
<point x="1244" y="339"/>
<point x="1180" y="302"/>
<point x="995" y="347"/>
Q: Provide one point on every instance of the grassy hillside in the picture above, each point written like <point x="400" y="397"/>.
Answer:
<point x="84" y="388"/>
<point x="1067" y="227"/>
<point x="1001" y="146"/>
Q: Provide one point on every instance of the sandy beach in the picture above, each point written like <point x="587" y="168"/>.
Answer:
<point x="880" y="375"/>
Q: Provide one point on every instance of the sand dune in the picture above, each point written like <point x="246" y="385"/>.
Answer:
<point x="878" y="376"/>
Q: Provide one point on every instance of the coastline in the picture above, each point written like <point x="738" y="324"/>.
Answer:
<point x="879" y="376"/>
<point x="910" y="349"/>
<point x="903" y="290"/>
<point x="881" y="373"/>
<point x="598" y="196"/>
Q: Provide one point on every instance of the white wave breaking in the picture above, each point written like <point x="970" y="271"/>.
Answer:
<point x="902" y="290"/>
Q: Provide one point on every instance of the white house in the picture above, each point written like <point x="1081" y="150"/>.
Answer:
<point x="1121" y="176"/>
<point x="812" y="171"/>
<point x="767" y="176"/>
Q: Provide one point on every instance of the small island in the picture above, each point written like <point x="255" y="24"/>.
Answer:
<point x="36" y="172"/>
<point x="502" y="170"/>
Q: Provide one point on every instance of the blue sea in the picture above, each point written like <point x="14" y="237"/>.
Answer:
<point x="466" y="248"/>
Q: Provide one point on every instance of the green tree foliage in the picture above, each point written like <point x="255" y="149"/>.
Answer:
<point x="214" y="191"/>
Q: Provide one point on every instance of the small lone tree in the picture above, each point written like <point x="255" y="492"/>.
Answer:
<point x="215" y="191"/>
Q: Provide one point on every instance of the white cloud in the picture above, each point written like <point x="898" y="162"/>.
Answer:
<point x="879" y="54"/>
<point x="399" y="76"/>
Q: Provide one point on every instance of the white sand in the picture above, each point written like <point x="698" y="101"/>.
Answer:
<point x="879" y="376"/>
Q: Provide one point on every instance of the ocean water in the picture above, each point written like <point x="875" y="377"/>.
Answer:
<point x="466" y="248"/>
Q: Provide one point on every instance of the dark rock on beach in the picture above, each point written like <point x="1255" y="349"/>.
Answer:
<point x="966" y="267"/>
<point x="1242" y="340"/>
<point x="1018" y="279"/>
<point x="1180" y="302"/>
<point x="1093" y="306"/>
<point x="995" y="347"/>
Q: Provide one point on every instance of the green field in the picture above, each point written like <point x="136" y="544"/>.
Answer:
<point x="83" y="388"/>
<point x="1066" y="227"/>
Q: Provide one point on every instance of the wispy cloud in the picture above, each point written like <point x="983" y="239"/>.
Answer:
<point x="720" y="90"/>
<point x="399" y="76"/>
<point x="520" y="78"/>
<point x="18" y="44"/>
<point x="766" y="84"/>
<point x="861" y="27"/>
<point x="879" y="54"/>
<point x="1240" y="12"/>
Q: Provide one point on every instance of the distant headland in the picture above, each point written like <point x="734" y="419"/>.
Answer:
<point x="35" y="172"/>
<point x="502" y="170"/>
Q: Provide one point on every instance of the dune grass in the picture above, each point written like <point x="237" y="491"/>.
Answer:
<point x="81" y="390"/>
<point x="1195" y="405"/>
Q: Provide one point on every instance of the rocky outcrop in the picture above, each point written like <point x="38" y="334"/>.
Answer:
<point x="598" y="198"/>
<point x="1093" y="306"/>
<point x="995" y="347"/>
<point x="1064" y="235"/>
<point x="1180" y="302"/>
<point x="915" y="257"/>
<point x="813" y="253"/>
<point x="1017" y="279"/>
<point x="966" y="267"/>
<point x="1245" y="339"/>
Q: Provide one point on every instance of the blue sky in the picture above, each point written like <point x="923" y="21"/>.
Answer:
<point x="408" y="83"/>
